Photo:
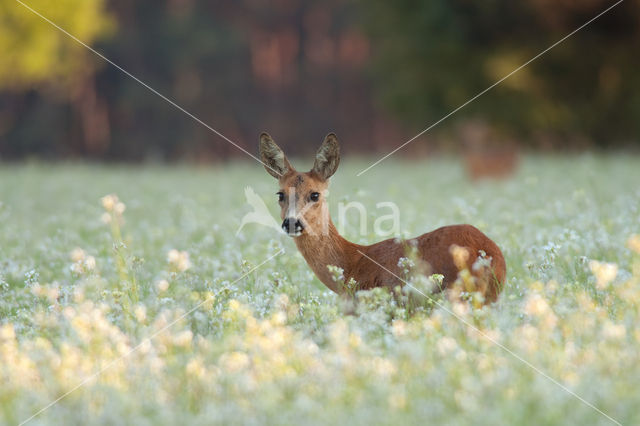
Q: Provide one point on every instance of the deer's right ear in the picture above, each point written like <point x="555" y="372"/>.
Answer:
<point x="273" y="158"/>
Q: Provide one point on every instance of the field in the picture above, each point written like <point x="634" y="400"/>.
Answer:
<point x="85" y="281"/>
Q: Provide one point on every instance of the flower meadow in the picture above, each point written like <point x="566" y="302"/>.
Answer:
<point x="126" y="297"/>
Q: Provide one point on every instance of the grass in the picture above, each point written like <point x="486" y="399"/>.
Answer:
<point x="272" y="345"/>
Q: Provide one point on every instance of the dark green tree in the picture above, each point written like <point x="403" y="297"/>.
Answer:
<point x="429" y="57"/>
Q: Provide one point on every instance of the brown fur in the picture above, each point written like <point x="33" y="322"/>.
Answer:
<point x="321" y="244"/>
<point x="492" y="164"/>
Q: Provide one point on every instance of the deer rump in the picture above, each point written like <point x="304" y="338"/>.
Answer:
<point x="437" y="251"/>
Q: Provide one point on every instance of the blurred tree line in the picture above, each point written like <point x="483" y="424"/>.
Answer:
<point x="373" y="71"/>
<point x="432" y="56"/>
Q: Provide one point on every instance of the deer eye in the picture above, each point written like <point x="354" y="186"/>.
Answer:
<point x="315" y="196"/>
<point x="280" y="196"/>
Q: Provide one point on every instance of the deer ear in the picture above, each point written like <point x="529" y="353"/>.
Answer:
<point x="273" y="158"/>
<point x="327" y="158"/>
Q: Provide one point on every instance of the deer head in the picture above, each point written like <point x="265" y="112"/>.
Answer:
<point x="302" y="196"/>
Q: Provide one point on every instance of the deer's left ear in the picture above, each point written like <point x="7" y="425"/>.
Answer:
<point x="327" y="158"/>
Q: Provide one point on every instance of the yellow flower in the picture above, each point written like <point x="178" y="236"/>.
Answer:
<point x="105" y="218"/>
<point x="109" y="202"/>
<point x="460" y="309"/>
<point x="234" y="361"/>
<point x="183" y="338"/>
<point x="604" y="272"/>
<point x="634" y="243"/>
<point x="460" y="256"/>
<point x="196" y="368"/>
<point x="77" y="255"/>
<point x="399" y="328"/>
<point x="384" y="367"/>
<point x="614" y="331"/>
<point x="7" y="332"/>
<point x="119" y="208"/>
<point x="354" y="340"/>
<point x="279" y="318"/>
<point x="140" y="313"/>
<point x="179" y="260"/>
<point x="162" y="285"/>
<point x="536" y="305"/>
<point x="81" y="262"/>
<point x="398" y="400"/>
<point x="537" y="286"/>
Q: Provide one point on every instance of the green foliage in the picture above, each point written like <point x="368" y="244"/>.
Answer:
<point x="85" y="278"/>
<point x="240" y="66"/>
<point x="301" y="69"/>
<point x="34" y="53"/>
<point x="431" y="57"/>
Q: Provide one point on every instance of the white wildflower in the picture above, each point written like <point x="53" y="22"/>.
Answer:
<point x="446" y="345"/>
<point x="90" y="263"/>
<point x="119" y="208"/>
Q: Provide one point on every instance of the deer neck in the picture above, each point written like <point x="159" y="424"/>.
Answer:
<point x="328" y="248"/>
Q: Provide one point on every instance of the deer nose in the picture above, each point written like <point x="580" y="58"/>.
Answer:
<point x="292" y="226"/>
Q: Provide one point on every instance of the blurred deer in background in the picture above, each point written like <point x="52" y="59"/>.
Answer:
<point x="305" y="215"/>
<point x="487" y="153"/>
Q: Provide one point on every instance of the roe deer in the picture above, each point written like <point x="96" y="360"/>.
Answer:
<point x="305" y="215"/>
